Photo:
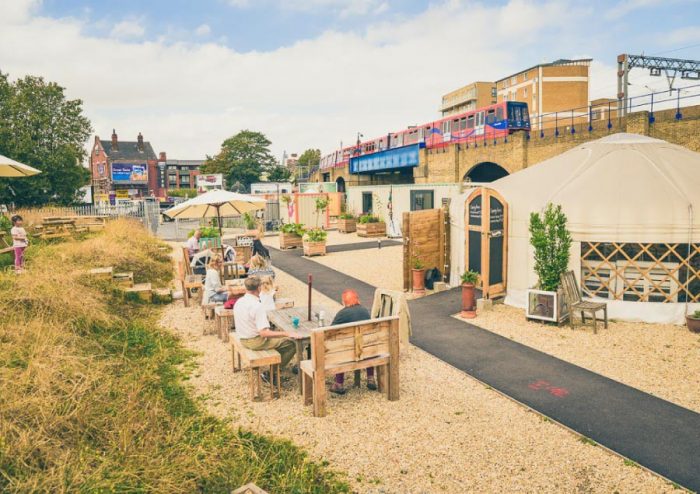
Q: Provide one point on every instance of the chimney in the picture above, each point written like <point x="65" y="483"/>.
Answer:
<point x="115" y="143"/>
<point x="139" y="145"/>
<point x="163" y="156"/>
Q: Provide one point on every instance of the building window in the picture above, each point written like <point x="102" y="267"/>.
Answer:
<point x="421" y="199"/>
<point x="524" y="92"/>
<point x="514" y="80"/>
<point x="493" y="92"/>
<point x="366" y="202"/>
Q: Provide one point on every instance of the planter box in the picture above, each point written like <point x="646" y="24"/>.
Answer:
<point x="693" y="324"/>
<point x="142" y="291"/>
<point x="314" y="248"/>
<point x="347" y="226"/>
<point x="371" y="229"/>
<point x="290" y="241"/>
<point x="547" y="306"/>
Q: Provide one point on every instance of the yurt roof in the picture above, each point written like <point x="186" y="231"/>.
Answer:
<point x="623" y="187"/>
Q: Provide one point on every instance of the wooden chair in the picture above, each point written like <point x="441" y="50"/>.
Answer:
<point x="254" y="361"/>
<point x="573" y="296"/>
<point x="393" y="303"/>
<point x="350" y="347"/>
<point x="192" y="284"/>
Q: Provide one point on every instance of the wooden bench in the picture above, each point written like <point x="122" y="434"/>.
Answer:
<point x="576" y="302"/>
<point x="351" y="347"/>
<point x="223" y="319"/>
<point x="254" y="361"/>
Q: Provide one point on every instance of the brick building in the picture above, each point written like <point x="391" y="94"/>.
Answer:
<point x="125" y="169"/>
<point x="558" y="86"/>
<point x="470" y="97"/>
<point x="179" y="174"/>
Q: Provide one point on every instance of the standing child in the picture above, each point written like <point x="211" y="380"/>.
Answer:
<point x="267" y="293"/>
<point x="19" y="242"/>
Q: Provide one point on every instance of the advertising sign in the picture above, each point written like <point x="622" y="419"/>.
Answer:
<point x="122" y="194"/>
<point x="317" y="187"/>
<point x="130" y="172"/>
<point x="271" y="188"/>
<point x="213" y="181"/>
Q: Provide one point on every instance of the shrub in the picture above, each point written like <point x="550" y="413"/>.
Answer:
<point x="207" y="232"/>
<point x="417" y="263"/>
<point x="5" y="224"/>
<point x="368" y="218"/>
<point x="249" y="221"/>
<point x="293" y="229"/>
<point x="189" y="193"/>
<point x="346" y="216"/>
<point x="552" y="242"/>
<point x="470" y="277"/>
<point x="316" y="235"/>
<point x="696" y="314"/>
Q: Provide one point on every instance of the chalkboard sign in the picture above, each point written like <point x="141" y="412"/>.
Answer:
<point x="474" y="251"/>
<point x="496" y="214"/>
<point x="495" y="260"/>
<point x="475" y="211"/>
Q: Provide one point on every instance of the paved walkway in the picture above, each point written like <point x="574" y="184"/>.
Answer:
<point x="652" y="432"/>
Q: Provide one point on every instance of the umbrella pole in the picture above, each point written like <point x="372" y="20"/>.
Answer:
<point x="221" y="232"/>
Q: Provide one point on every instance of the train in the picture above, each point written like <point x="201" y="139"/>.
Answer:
<point x="489" y="122"/>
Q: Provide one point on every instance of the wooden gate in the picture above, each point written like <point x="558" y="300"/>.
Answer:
<point x="425" y="238"/>
<point x="486" y="222"/>
<point x="305" y="211"/>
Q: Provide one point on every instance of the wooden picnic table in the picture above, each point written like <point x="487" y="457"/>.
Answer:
<point x="282" y="319"/>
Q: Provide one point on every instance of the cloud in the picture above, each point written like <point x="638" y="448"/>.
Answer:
<point x="683" y="35"/>
<point x="186" y="97"/>
<point x="342" y="8"/>
<point x="202" y="30"/>
<point x="128" y="29"/>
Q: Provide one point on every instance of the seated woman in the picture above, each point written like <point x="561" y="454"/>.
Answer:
<point x="352" y="311"/>
<point x="260" y="267"/>
<point x="267" y="294"/>
<point x="214" y="291"/>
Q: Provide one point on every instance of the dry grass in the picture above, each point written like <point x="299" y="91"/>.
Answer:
<point x="91" y="397"/>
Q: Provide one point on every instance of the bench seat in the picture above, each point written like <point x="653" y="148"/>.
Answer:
<point x="253" y="361"/>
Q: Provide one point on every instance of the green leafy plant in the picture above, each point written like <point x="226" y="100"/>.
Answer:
<point x="316" y="235"/>
<point x="695" y="315"/>
<point x="346" y="216"/>
<point x="470" y="277"/>
<point x="552" y="242"/>
<point x="286" y="198"/>
<point x="5" y="223"/>
<point x="182" y="193"/>
<point x="293" y="229"/>
<point x="368" y="218"/>
<point x="417" y="263"/>
<point x="207" y="232"/>
<point x="249" y="221"/>
<point x="321" y="205"/>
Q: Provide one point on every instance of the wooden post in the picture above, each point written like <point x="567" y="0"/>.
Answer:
<point x="406" y="251"/>
<point x="310" y="283"/>
<point x="394" y="360"/>
<point x="318" y="359"/>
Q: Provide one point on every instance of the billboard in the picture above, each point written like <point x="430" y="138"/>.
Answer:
<point x="133" y="173"/>
<point x="271" y="188"/>
<point x="317" y="187"/>
<point x="212" y="181"/>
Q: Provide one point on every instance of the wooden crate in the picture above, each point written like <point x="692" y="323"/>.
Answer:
<point x="314" y="248"/>
<point x="371" y="229"/>
<point x="290" y="241"/>
<point x="347" y="226"/>
<point x="143" y="291"/>
<point x="123" y="279"/>
<point x="162" y="296"/>
<point x="101" y="273"/>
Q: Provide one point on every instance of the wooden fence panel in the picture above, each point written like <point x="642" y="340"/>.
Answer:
<point x="424" y="239"/>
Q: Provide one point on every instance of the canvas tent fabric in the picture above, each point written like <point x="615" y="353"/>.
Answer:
<point x="621" y="188"/>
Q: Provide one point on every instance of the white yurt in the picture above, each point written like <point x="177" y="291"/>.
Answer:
<point x="633" y="207"/>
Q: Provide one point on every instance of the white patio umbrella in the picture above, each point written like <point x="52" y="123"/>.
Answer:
<point x="215" y="204"/>
<point x="12" y="168"/>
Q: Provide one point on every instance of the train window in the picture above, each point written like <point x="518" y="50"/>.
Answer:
<point x="463" y="123"/>
<point x="499" y="113"/>
<point x="470" y="122"/>
<point x="490" y="117"/>
<point x="455" y="124"/>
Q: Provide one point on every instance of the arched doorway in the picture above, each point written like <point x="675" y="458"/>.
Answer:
<point x="485" y="172"/>
<point x="340" y="182"/>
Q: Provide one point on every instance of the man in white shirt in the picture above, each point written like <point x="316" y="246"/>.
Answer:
<point x="193" y="243"/>
<point x="253" y="327"/>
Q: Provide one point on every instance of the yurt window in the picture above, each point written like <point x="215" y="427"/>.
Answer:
<point x="639" y="272"/>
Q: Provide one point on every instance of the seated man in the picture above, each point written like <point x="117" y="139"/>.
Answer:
<point x="192" y="243"/>
<point x="252" y="325"/>
<point x="351" y="312"/>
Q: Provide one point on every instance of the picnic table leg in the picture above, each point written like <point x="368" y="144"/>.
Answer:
<point x="307" y="388"/>
<point x="382" y="379"/>
<point x="358" y="378"/>
<point x="297" y="359"/>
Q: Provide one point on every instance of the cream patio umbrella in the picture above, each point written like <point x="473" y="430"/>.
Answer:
<point x="14" y="169"/>
<point x="216" y="204"/>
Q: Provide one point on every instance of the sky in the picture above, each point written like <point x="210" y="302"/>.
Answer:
<point x="313" y="73"/>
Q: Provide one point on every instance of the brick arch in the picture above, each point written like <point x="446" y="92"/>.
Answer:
<point x="485" y="171"/>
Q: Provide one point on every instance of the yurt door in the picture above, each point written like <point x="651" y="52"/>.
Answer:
<point x="487" y="240"/>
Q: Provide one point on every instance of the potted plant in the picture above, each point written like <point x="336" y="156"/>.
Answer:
<point x="693" y="321"/>
<point x="369" y="225"/>
<point x="347" y="223"/>
<point x="291" y="235"/>
<point x="469" y="281"/>
<point x="418" y="274"/>
<point x="210" y="238"/>
<point x="249" y="221"/>
<point x="552" y="243"/>
<point x="321" y="205"/>
<point x="315" y="242"/>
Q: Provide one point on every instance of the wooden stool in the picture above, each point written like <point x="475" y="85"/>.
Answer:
<point x="223" y="319"/>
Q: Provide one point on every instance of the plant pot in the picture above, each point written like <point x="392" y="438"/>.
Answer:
<point x="549" y="306"/>
<point x="418" y="281"/>
<point x="468" y="301"/>
<point x="693" y="324"/>
<point x="314" y="248"/>
<point x="347" y="226"/>
<point x="371" y="229"/>
<point x="290" y="241"/>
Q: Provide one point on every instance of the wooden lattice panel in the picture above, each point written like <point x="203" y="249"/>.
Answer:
<point x="643" y="272"/>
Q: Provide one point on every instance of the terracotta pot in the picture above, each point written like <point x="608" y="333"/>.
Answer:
<point x="693" y="324"/>
<point x="418" y="281"/>
<point x="468" y="301"/>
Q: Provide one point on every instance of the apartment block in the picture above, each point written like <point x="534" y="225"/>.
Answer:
<point x="470" y="97"/>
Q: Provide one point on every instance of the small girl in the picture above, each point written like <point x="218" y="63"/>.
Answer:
<point x="267" y="294"/>
<point x="19" y="242"/>
<point x="260" y="267"/>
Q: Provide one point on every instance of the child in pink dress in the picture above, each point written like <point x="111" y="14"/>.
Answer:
<point x="19" y="242"/>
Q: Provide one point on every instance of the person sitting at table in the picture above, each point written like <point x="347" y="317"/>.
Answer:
<point x="193" y="243"/>
<point x="260" y="267"/>
<point x="214" y="291"/>
<point x="267" y="293"/>
<point x="253" y="327"/>
<point x="352" y="311"/>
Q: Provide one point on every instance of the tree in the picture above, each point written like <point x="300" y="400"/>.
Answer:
<point x="552" y="242"/>
<point x="40" y="127"/>
<point x="308" y="160"/>
<point x="279" y="174"/>
<point x="243" y="158"/>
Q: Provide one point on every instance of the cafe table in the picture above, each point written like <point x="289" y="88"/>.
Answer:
<point x="282" y="319"/>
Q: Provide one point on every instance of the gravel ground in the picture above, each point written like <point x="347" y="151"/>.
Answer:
<point x="447" y="433"/>
<point x="660" y="359"/>
<point x="354" y="263"/>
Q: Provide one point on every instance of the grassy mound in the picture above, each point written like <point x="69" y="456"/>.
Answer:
<point x="91" y="394"/>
